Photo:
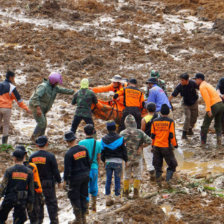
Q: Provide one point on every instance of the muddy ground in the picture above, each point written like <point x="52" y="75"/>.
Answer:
<point x="98" y="39"/>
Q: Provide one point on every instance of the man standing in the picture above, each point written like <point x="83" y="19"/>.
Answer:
<point x="94" y="150"/>
<point x="133" y="102"/>
<point x="42" y="100"/>
<point x="18" y="190"/>
<point x="187" y="89"/>
<point x="156" y="94"/>
<point x="49" y="174"/>
<point x="38" y="196"/>
<point x="163" y="141"/>
<point x="84" y="98"/>
<point x="76" y="176"/>
<point x="135" y="140"/>
<point x="214" y="109"/>
<point x="8" y="93"/>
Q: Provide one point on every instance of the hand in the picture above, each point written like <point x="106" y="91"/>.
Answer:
<point x="126" y="164"/>
<point x="39" y="112"/>
<point x="170" y="98"/>
<point x="209" y="113"/>
<point x="29" y="207"/>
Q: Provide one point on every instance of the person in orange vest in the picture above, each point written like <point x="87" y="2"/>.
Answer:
<point x="214" y="109"/>
<point x="38" y="196"/>
<point x="8" y="93"/>
<point x="133" y="102"/>
<point x="163" y="142"/>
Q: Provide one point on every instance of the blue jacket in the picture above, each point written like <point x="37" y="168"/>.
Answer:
<point x="158" y="96"/>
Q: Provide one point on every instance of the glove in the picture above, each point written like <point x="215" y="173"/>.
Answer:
<point x="42" y="199"/>
<point x="30" y="207"/>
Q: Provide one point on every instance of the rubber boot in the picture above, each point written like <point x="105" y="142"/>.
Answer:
<point x="169" y="175"/>
<point x="190" y="132"/>
<point x="152" y="175"/>
<point x="219" y="140"/>
<point x="126" y="188"/>
<point x="136" y="188"/>
<point x="203" y="139"/>
<point x="184" y="135"/>
<point x="93" y="204"/>
<point x="5" y="139"/>
<point x="159" y="178"/>
<point x="78" y="216"/>
<point x="109" y="200"/>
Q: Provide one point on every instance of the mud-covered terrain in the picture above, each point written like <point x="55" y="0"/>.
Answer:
<point x="99" y="39"/>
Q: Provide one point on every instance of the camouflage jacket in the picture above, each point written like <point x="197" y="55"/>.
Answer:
<point x="84" y="99"/>
<point x="134" y="138"/>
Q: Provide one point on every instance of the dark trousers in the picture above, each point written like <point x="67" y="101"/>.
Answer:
<point x="135" y="111"/>
<point x="19" y="214"/>
<point x="51" y="203"/>
<point x="78" y="193"/>
<point x="34" y="215"/>
<point x="76" y="121"/>
<point x="164" y="153"/>
<point x="217" y="111"/>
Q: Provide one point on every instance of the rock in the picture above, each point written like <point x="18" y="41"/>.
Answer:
<point x="74" y="66"/>
<point x="219" y="26"/>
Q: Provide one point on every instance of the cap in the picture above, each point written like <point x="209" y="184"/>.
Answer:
<point x="151" y="81"/>
<point x="111" y="126"/>
<point x="116" y="78"/>
<point x="41" y="141"/>
<point x="21" y="147"/>
<point x="69" y="136"/>
<point x="199" y="76"/>
<point x="18" y="154"/>
<point x="165" y="110"/>
<point x="133" y="81"/>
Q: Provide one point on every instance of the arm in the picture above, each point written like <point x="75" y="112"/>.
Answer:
<point x="95" y="101"/>
<point x="172" y="135"/>
<point x="175" y="92"/>
<point x="66" y="167"/>
<point x="74" y="100"/>
<point x="17" y="97"/>
<point x="125" y="155"/>
<point x="31" y="189"/>
<point x="39" y="93"/>
<point x="153" y="135"/>
<point x="55" y="170"/>
<point x="143" y="124"/>
<point x="152" y="97"/>
<point x="4" y="184"/>
<point x="64" y="90"/>
<point x="206" y="98"/>
<point x="142" y="100"/>
<point x="103" y="89"/>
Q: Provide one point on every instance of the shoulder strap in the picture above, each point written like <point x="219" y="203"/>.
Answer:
<point x="93" y="153"/>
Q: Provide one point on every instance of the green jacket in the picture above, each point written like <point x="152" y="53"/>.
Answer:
<point x="84" y="98"/>
<point x="45" y="94"/>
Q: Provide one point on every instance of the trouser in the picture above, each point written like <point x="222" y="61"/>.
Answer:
<point x="76" y="121"/>
<point x="78" y="192"/>
<point x="5" y="114"/>
<point x="135" y="111"/>
<point x="19" y="214"/>
<point x="51" y="203"/>
<point x="148" y="155"/>
<point x="217" y="112"/>
<point x="134" y="168"/>
<point x="115" y="168"/>
<point x="93" y="183"/>
<point x="41" y="123"/>
<point x="34" y="215"/>
<point x="164" y="153"/>
<point x="191" y="115"/>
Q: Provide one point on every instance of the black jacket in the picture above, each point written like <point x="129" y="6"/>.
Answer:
<point x="47" y="166"/>
<point x="112" y="146"/>
<point x="76" y="164"/>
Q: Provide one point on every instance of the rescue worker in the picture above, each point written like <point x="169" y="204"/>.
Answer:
<point x="115" y="86"/>
<point x="188" y="90"/>
<point x="18" y="190"/>
<point x="49" y="174"/>
<point x="146" y="127"/>
<point x="42" y="100"/>
<point x="163" y="142"/>
<point x="8" y="93"/>
<point x="84" y="98"/>
<point x="135" y="139"/>
<point x="220" y="90"/>
<point x="156" y="94"/>
<point x="38" y="196"/>
<point x="76" y="176"/>
<point x="214" y="109"/>
<point x="161" y="83"/>
<point x="113" y="153"/>
<point x="133" y="102"/>
<point x="94" y="150"/>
